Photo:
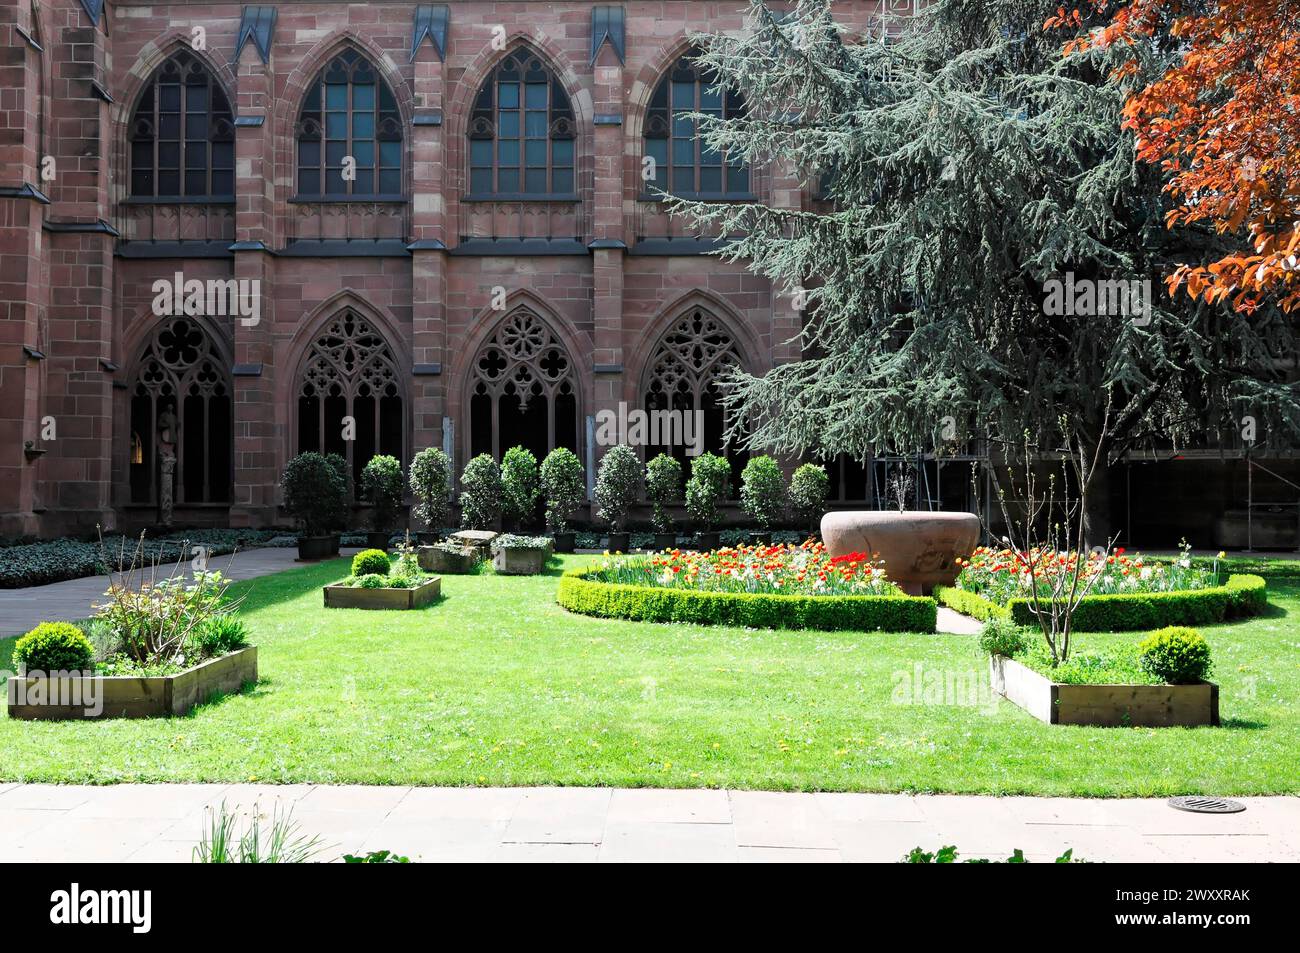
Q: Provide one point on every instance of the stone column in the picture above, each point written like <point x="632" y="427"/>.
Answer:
<point x="610" y="241"/>
<point x="428" y="255"/>
<point x="260" y="422"/>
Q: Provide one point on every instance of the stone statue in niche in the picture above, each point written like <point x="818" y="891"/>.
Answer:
<point x="167" y="466"/>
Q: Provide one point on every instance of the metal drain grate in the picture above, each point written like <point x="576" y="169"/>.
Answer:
<point x="1206" y="805"/>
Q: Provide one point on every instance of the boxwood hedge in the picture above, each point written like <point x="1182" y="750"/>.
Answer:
<point x="901" y="613"/>
<point x="1242" y="595"/>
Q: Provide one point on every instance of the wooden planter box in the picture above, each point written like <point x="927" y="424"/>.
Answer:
<point x="1145" y="706"/>
<point x="520" y="561"/>
<point x="435" y="560"/>
<point x="354" y="597"/>
<point x="129" y="696"/>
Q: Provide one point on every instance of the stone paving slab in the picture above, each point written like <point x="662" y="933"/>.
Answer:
<point x="164" y="822"/>
<point x="70" y="600"/>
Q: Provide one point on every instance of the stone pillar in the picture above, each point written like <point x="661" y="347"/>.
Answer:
<point x="428" y="255"/>
<point x="261" y="421"/>
<point x="77" y="470"/>
<point x="22" y="291"/>
<point x="610" y="244"/>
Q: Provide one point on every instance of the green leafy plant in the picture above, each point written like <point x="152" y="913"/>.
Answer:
<point x="315" y="493"/>
<point x="762" y="490"/>
<point x="707" y="489"/>
<point x="519" y="485"/>
<point x="1001" y="636"/>
<point x="376" y="857"/>
<point x="809" y="489"/>
<point x="430" y="479"/>
<point x="383" y="488"/>
<point x="224" y="842"/>
<point x="1176" y="655"/>
<point x="948" y="855"/>
<point x="220" y="635"/>
<point x="371" y="561"/>
<point x="375" y="580"/>
<point x="156" y="614"/>
<point x="564" y="485"/>
<point x="663" y="486"/>
<point x="618" y="482"/>
<point x="54" y="647"/>
<point x="480" y="497"/>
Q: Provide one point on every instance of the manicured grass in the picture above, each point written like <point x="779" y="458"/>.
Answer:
<point x="498" y="685"/>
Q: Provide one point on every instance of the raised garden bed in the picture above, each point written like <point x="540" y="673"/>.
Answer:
<point x="338" y="596"/>
<point x="1242" y="595"/>
<point x="890" y="613"/>
<point x="1138" y="706"/>
<point x="520" y="555"/>
<point x="448" y="559"/>
<point x="82" y="697"/>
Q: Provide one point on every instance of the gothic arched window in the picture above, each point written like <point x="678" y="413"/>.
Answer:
<point x="682" y="376"/>
<point x="523" y="390"/>
<point x="521" y="132"/>
<point x="180" y="408"/>
<point x="349" y="395"/>
<point x="683" y="162"/>
<point x="349" y="133"/>
<point x="182" y="134"/>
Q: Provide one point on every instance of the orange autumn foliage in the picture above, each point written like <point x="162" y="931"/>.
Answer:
<point x="1224" y="125"/>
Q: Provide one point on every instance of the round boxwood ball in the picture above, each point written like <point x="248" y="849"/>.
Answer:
<point x="54" y="647"/>
<point x="371" y="561"/>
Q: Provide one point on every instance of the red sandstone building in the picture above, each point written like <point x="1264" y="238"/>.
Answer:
<point x="443" y="211"/>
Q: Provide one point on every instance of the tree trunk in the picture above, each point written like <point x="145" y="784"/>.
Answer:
<point x="1097" y="529"/>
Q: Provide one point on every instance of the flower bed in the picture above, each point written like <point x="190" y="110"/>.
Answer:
<point x="777" y="587"/>
<point x="1241" y="596"/>
<point x="1127" y="592"/>
<point x="775" y="570"/>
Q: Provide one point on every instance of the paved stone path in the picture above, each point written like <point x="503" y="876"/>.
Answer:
<point x="70" y="600"/>
<point x="163" y="822"/>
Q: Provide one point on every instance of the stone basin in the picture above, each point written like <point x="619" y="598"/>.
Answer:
<point x="920" y="548"/>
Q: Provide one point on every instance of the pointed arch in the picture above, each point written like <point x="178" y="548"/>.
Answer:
<point x="522" y="383"/>
<point x="686" y="350"/>
<point x="350" y="392"/>
<point x="178" y="127"/>
<point x="296" y="96"/>
<point x="522" y="130"/>
<point x="666" y="132"/>
<point x="180" y="413"/>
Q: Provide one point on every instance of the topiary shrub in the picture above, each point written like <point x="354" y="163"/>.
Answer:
<point x="371" y="561"/>
<point x="1001" y="636"/>
<point x="480" y="496"/>
<point x="579" y="593"/>
<point x="1176" y="655"/>
<point x="707" y="489"/>
<point x="430" y="480"/>
<point x="809" y="488"/>
<point x="315" y="492"/>
<point x="382" y="487"/>
<point x="617" y="484"/>
<point x="663" y="486"/>
<point x="762" y="491"/>
<point x="519" y="485"/>
<point x="54" y="647"/>
<point x="564" y="484"/>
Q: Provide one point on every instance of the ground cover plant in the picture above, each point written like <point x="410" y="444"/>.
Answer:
<point x="502" y="686"/>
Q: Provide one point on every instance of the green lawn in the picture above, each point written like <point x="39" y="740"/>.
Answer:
<point x="497" y="685"/>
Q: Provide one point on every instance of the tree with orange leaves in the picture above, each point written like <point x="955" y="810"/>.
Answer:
<point x="1223" y="122"/>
